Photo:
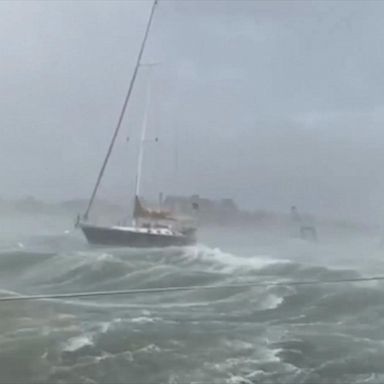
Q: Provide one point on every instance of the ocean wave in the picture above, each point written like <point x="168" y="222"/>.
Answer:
<point x="245" y="335"/>
<point x="227" y="262"/>
<point x="77" y="343"/>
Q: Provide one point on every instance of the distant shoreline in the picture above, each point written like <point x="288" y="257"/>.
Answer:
<point x="212" y="216"/>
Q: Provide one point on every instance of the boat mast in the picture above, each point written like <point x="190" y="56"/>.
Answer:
<point x="143" y="139"/>
<point x="122" y="113"/>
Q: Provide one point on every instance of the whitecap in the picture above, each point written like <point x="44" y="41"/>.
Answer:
<point x="228" y="262"/>
<point x="271" y="302"/>
<point x="151" y="348"/>
<point x="145" y="320"/>
<point x="76" y="343"/>
<point x="238" y="380"/>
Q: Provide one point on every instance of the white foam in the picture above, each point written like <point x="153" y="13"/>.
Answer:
<point x="230" y="262"/>
<point x="144" y="320"/>
<point x="271" y="355"/>
<point x="271" y="302"/>
<point x="104" y="356"/>
<point x="151" y="348"/>
<point x="105" y="257"/>
<point x="105" y="326"/>
<point x="238" y="380"/>
<point x="238" y="344"/>
<point x="108" y="325"/>
<point x="76" y="343"/>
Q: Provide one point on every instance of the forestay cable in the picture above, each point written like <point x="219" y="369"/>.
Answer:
<point x="187" y="288"/>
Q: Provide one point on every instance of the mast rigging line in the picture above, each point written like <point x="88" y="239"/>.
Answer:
<point x="122" y="113"/>
<point x="127" y="292"/>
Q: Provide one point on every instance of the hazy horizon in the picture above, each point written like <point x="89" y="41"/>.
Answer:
<point x="270" y="103"/>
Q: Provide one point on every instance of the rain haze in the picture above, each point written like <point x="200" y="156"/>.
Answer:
<point x="271" y="103"/>
<point x="237" y="233"/>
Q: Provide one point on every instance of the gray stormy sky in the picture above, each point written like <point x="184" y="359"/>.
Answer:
<point x="270" y="102"/>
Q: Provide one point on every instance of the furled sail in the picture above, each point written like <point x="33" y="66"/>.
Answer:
<point x="140" y="212"/>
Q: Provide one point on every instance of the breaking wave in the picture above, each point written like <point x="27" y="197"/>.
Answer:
<point x="279" y="334"/>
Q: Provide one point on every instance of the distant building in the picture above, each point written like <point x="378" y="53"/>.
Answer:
<point x="181" y="204"/>
<point x="210" y="211"/>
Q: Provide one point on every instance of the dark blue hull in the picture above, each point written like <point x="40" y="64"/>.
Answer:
<point x="123" y="238"/>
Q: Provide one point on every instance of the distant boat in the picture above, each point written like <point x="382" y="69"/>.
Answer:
<point x="306" y="231"/>
<point x="150" y="228"/>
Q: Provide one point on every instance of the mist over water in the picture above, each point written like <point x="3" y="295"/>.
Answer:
<point x="265" y="103"/>
<point x="311" y="334"/>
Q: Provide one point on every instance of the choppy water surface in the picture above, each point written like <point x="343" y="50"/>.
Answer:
<point x="320" y="334"/>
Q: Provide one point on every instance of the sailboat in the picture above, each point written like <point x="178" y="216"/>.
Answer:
<point x="149" y="228"/>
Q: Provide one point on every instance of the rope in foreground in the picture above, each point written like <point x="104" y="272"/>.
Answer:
<point x="127" y="292"/>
